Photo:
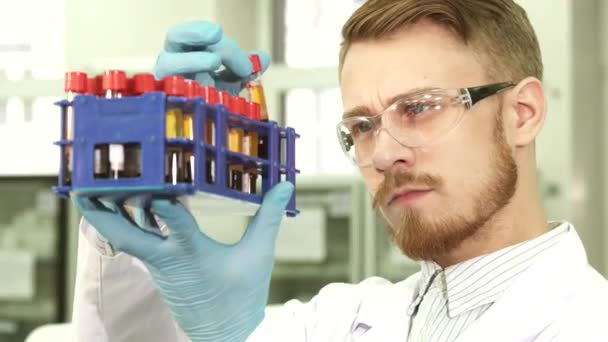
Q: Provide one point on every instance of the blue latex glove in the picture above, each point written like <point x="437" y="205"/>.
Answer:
<point x="197" y="49"/>
<point x="216" y="292"/>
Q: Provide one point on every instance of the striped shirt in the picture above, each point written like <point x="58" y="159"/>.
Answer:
<point x="451" y="299"/>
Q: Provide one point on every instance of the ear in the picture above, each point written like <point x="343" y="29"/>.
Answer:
<point x="528" y="107"/>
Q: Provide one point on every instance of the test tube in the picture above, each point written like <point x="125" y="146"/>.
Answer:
<point x="75" y="83"/>
<point x="250" y="147"/>
<point x="223" y="98"/>
<point x="210" y="95"/>
<point x="256" y="90"/>
<point x="235" y="134"/>
<point x="101" y="153"/>
<point x="235" y="143"/>
<point x="192" y="91"/>
<point x="256" y="94"/>
<point x="174" y="86"/>
<point x="174" y="124"/>
<point x="114" y="84"/>
<point x="139" y="84"/>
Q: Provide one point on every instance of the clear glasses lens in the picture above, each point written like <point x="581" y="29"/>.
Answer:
<point x="413" y="121"/>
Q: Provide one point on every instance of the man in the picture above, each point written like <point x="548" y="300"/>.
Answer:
<point x="443" y="102"/>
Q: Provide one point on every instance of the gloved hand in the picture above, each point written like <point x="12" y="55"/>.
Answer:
<point x="216" y="292"/>
<point x="197" y="49"/>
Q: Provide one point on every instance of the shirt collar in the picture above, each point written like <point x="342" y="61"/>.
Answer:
<point x="481" y="280"/>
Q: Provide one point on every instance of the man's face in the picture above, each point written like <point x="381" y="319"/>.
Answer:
<point x="437" y="195"/>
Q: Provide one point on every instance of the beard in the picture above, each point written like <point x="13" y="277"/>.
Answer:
<point x="423" y="238"/>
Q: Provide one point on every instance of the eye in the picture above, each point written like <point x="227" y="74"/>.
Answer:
<point x="412" y="109"/>
<point x="360" y="127"/>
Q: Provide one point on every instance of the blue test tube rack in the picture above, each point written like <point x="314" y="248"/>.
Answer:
<point x="141" y="120"/>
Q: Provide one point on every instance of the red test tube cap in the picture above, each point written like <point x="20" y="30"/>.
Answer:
<point x="115" y="80"/>
<point x="99" y="83"/>
<point x="223" y="97"/>
<point x="93" y="87"/>
<point x="130" y="86"/>
<point x="209" y="93"/>
<point x="174" y="85"/>
<point x="75" y="81"/>
<point x="253" y="111"/>
<point x="256" y="63"/>
<point x="238" y="105"/>
<point x="143" y="83"/>
<point x="159" y="85"/>
<point x="192" y="89"/>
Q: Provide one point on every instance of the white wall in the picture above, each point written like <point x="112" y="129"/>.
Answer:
<point x="604" y="68"/>
<point x="571" y="148"/>
<point x="134" y="29"/>
<point x="552" y="31"/>
<point x="588" y="134"/>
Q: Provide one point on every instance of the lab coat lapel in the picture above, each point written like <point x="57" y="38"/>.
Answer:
<point x="384" y="316"/>
<point x="394" y="328"/>
<point x="530" y="304"/>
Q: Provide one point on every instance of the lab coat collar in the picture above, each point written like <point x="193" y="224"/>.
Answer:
<point x="428" y="271"/>
<point x="383" y="315"/>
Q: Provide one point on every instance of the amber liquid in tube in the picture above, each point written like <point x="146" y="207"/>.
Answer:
<point x="250" y="147"/>
<point x="256" y="93"/>
<point x="235" y="171"/>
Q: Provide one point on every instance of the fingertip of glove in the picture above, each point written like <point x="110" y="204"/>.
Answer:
<point x="281" y="192"/>
<point x="196" y="32"/>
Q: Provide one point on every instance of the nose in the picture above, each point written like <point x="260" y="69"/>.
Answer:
<point x="388" y="152"/>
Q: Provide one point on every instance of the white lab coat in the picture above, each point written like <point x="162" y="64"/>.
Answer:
<point x="559" y="298"/>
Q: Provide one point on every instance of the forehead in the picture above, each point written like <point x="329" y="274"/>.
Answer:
<point x="422" y="55"/>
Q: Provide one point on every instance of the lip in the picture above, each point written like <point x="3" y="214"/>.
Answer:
<point x="407" y="195"/>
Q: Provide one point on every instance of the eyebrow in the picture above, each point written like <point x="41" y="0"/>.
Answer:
<point x="365" y="111"/>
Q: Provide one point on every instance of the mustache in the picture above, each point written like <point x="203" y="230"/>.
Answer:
<point x="394" y="180"/>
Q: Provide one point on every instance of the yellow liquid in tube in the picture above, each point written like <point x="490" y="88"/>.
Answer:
<point x="256" y="92"/>
<point x="174" y="122"/>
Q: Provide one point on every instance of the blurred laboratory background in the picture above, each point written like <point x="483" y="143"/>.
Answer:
<point x="337" y="237"/>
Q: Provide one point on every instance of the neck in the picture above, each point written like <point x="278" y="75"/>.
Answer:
<point x="522" y="219"/>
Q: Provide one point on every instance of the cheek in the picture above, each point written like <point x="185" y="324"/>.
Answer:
<point x="462" y="160"/>
<point x="372" y="179"/>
